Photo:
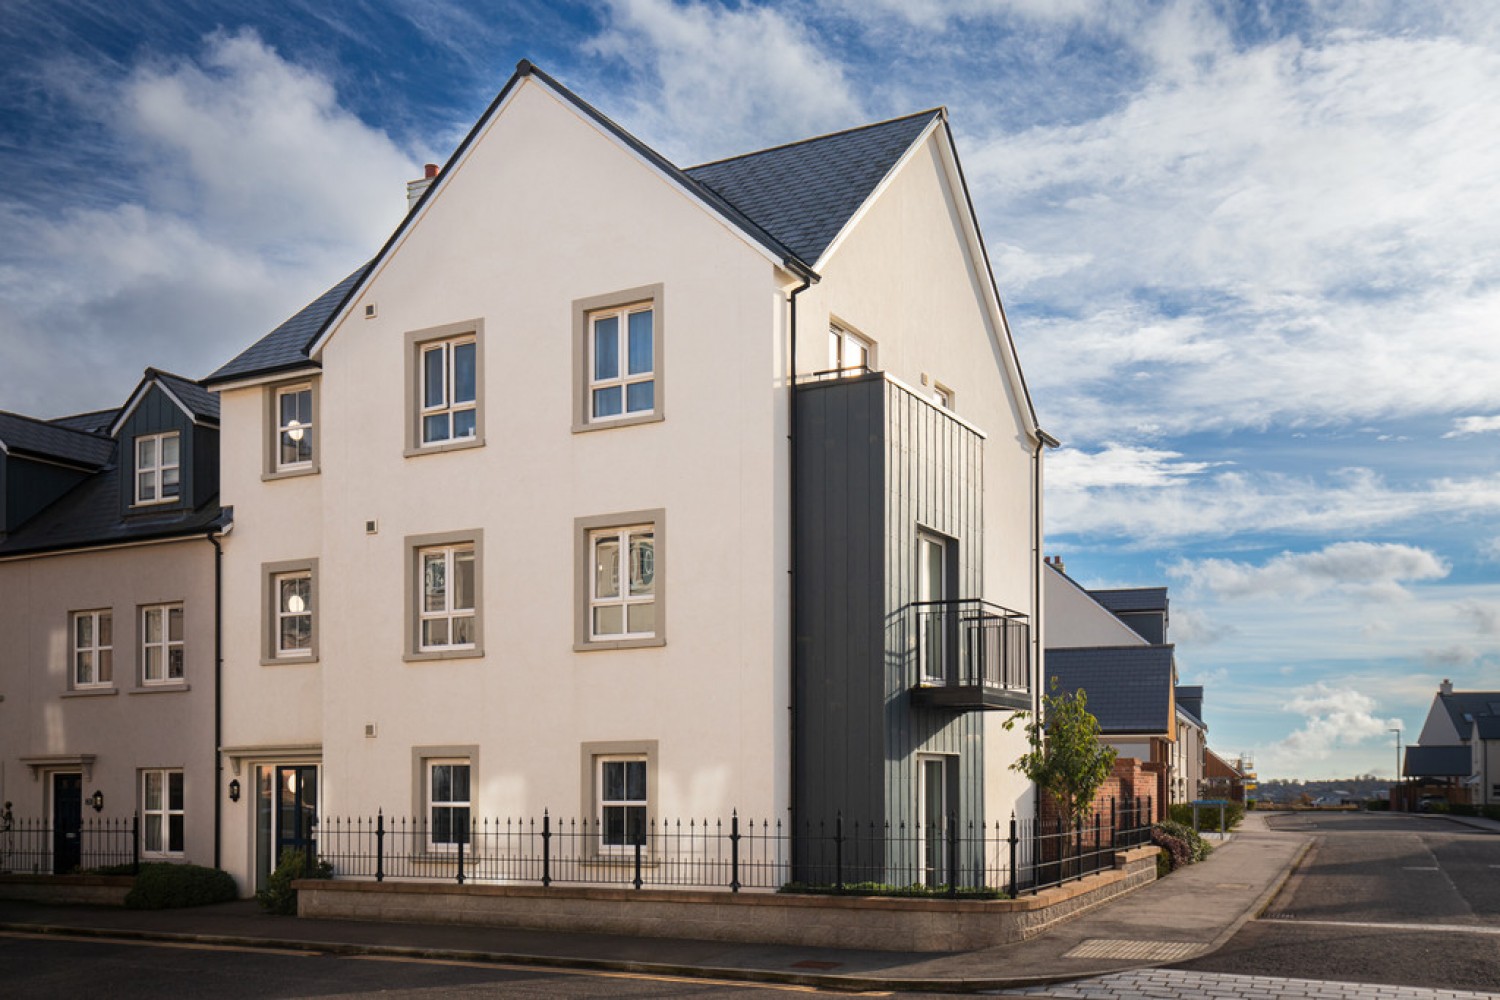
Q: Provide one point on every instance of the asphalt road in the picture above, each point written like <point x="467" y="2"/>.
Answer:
<point x="84" y="968"/>
<point x="1380" y="898"/>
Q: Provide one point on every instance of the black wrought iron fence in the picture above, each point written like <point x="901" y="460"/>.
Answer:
<point x="838" y="855"/>
<point x="41" y="847"/>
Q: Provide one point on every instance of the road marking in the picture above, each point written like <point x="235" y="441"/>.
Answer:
<point x="1147" y="951"/>
<point x="1367" y="925"/>
<point x="599" y="974"/>
<point x="145" y="943"/>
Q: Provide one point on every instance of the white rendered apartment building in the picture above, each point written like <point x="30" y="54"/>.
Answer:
<point x="529" y="513"/>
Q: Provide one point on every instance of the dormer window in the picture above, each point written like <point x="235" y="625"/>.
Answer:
<point x="157" y="468"/>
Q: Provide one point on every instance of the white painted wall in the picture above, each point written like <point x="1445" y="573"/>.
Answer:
<point x="1438" y="730"/>
<point x="1075" y="619"/>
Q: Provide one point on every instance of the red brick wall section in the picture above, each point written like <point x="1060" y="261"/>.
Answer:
<point x="1131" y="779"/>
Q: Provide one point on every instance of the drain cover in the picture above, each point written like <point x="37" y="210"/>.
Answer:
<point x="1149" y="951"/>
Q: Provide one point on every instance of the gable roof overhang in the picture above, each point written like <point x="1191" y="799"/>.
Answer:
<point x="172" y="386"/>
<point x="763" y="242"/>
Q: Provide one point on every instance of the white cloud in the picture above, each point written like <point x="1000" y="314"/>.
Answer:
<point x="1482" y="616"/>
<point x="1367" y="568"/>
<point x="1451" y="656"/>
<point x="1332" y="718"/>
<point x="1070" y="469"/>
<point x="252" y="190"/>
<point x="720" y="80"/>
<point x="1195" y="627"/>
<point x="1464" y="426"/>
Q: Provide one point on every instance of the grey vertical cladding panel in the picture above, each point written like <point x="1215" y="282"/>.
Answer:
<point x="205" y="476"/>
<point x="933" y="483"/>
<point x="156" y="414"/>
<point x="840" y="509"/>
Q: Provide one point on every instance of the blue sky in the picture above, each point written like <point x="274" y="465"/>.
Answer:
<point x="1250" y="253"/>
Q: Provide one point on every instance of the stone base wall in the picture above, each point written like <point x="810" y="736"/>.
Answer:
<point x="93" y="890"/>
<point x="750" y="918"/>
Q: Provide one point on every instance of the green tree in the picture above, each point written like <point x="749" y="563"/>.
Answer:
<point x="1066" y="758"/>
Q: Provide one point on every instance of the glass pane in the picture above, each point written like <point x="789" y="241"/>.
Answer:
<point x="289" y="407"/>
<point x="174" y="790"/>
<point x="607" y="566"/>
<point x="289" y="450"/>
<point x="169" y="450"/>
<point x="463" y="630"/>
<point x="463" y="423"/>
<point x="635" y="825"/>
<point x="174" y="833"/>
<point x="461" y="825"/>
<point x="106" y="666"/>
<point x="174" y="624"/>
<point x="642" y="617"/>
<point x="614" y="780"/>
<point x="153" y="625"/>
<point x="614" y="826"/>
<point x="642" y="563"/>
<point x="442" y="783"/>
<point x="304" y="447"/>
<point x="464" y="373"/>
<point x="106" y="629"/>
<point x="85" y="631"/>
<point x="294" y="593"/>
<point x="434" y="581"/>
<point x="640" y="397"/>
<point x="145" y="486"/>
<point x="84" y="667"/>
<point x="641" y="357"/>
<point x="442" y="825"/>
<point x="858" y="352"/>
<point x="460" y="782"/>
<point x="145" y="451"/>
<point x="834" y="343"/>
<point x="153" y="832"/>
<point x="435" y="632"/>
<point x="609" y="620"/>
<point x="606" y="348"/>
<point x="607" y="402"/>
<point x="435" y="427"/>
<point x="635" y="780"/>
<point x="152" y="666"/>
<point x="169" y="487"/>
<point x="174" y="663"/>
<point x="151" y="790"/>
<point x="296" y="632"/>
<point x="432" y="376"/>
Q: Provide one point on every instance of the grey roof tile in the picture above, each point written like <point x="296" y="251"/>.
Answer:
<point x="1132" y="599"/>
<point x="203" y="405"/>
<point x="286" y="346"/>
<point x="92" y="422"/>
<point x="1437" y="762"/>
<point x="1487" y="727"/>
<point x="1463" y="706"/>
<point x="27" y="435"/>
<point x="804" y="193"/>
<point x="1129" y="687"/>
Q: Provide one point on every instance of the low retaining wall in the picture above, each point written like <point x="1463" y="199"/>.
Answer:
<point x="879" y="923"/>
<point x="94" y="890"/>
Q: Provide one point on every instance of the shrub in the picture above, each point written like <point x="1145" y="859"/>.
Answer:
<point x="1378" y="805"/>
<point x="1197" y="848"/>
<point x="1176" y="850"/>
<point x="1208" y="816"/>
<point x="278" y="896"/>
<point x="165" y="886"/>
<point x="916" y="889"/>
<point x="1491" y="812"/>
<point x="1163" y="863"/>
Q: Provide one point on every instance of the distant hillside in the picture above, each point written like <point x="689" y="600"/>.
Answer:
<point x="1289" y="790"/>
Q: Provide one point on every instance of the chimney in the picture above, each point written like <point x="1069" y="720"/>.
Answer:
<point x="1446" y="687"/>
<point x="1056" y="561"/>
<point x="415" y="189"/>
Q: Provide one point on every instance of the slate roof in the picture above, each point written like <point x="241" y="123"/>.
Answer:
<point x="90" y="514"/>
<point x="1129" y="687"/>
<point x="93" y="422"/>
<point x="805" y="193"/>
<point x="201" y="403"/>
<point x="1487" y="727"/>
<point x="1437" y="762"/>
<point x="286" y="346"/>
<point x="1132" y="599"/>
<point x="41" y="438"/>
<point x="1464" y="706"/>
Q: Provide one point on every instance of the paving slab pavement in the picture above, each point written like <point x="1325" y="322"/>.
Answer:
<point x="1173" y="984"/>
<point x="1190" y="913"/>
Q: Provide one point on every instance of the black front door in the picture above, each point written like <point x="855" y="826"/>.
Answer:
<point x="296" y="809"/>
<point x="67" y="822"/>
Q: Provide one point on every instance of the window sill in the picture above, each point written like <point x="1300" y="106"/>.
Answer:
<point x="287" y="661"/>
<point x="160" y="688"/>
<point x="311" y="470"/>
<point x="603" y="425"/>
<point x="443" y="654"/>
<point x="646" y="643"/>
<point x="438" y="449"/>
<point x="89" y="692"/>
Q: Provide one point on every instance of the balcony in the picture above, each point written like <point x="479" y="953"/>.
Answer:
<point x="971" y="655"/>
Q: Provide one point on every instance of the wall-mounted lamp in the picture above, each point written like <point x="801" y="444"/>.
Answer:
<point x="234" y="790"/>
<point x="97" y="800"/>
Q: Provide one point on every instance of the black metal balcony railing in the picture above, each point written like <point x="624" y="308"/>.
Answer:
<point x="972" y="654"/>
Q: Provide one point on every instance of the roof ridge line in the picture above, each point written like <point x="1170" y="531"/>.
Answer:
<point x="938" y="110"/>
<point x="45" y="422"/>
